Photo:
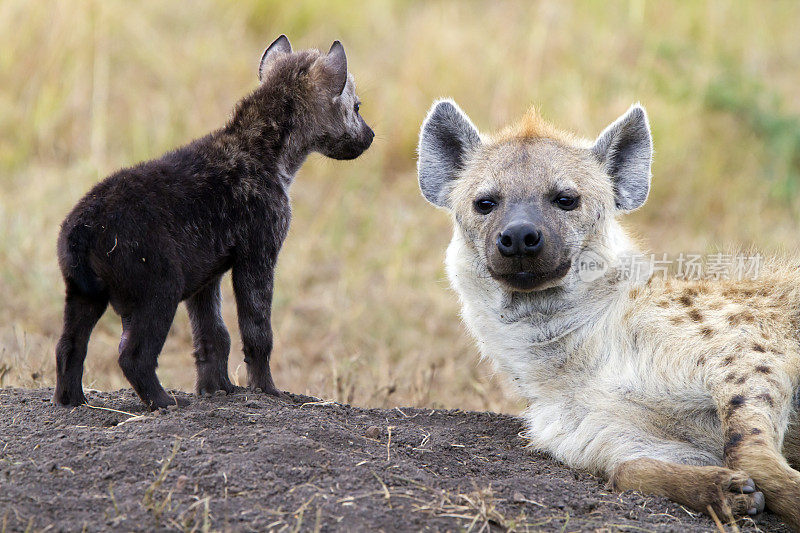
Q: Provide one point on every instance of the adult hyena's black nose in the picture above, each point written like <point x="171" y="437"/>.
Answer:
<point x="520" y="239"/>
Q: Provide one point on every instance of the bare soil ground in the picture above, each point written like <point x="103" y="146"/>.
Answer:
<point x="249" y="462"/>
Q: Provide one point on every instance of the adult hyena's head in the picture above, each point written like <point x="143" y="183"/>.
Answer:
<point x="329" y="103"/>
<point x="531" y="199"/>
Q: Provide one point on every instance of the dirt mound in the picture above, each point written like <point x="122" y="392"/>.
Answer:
<point x="251" y="462"/>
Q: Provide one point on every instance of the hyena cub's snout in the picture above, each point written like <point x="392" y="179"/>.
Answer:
<point x="352" y="144"/>
<point x="355" y="136"/>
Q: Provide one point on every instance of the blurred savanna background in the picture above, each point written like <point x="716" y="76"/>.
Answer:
<point x="363" y="313"/>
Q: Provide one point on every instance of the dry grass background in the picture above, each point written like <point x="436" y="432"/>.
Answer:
<point x="363" y="312"/>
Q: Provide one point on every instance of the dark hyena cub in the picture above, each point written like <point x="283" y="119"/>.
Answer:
<point x="151" y="236"/>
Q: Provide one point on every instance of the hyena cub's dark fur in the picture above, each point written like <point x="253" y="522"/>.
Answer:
<point x="151" y="236"/>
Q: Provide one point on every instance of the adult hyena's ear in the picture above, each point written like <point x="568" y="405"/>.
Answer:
<point x="445" y="141"/>
<point x="625" y="149"/>
<point x="336" y="68"/>
<point x="279" y="46"/>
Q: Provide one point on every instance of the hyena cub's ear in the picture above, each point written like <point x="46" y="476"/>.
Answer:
<point x="625" y="148"/>
<point x="279" y="46"/>
<point x="445" y="141"/>
<point x="336" y="68"/>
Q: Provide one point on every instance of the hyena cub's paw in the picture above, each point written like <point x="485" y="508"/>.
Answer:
<point x="732" y="492"/>
<point x="271" y="390"/>
<point x="209" y="384"/>
<point x="69" y="398"/>
<point x="260" y="381"/>
<point x="164" y="401"/>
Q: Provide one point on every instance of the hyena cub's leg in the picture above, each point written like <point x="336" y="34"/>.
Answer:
<point x="754" y="403"/>
<point x="144" y="331"/>
<point x="212" y="343"/>
<point x="81" y="313"/>
<point x="252" y="285"/>
<point x="727" y="492"/>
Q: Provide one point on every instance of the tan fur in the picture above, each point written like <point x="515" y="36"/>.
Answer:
<point x="680" y="388"/>
<point x="696" y="487"/>
<point x="532" y="126"/>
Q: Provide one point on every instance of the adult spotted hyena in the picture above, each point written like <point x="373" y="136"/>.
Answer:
<point x="673" y="387"/>
<point x="165" y="231"/>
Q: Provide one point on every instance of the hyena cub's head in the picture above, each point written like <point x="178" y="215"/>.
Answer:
<point x="529" y="200"/>
<point x="337" y="129"/>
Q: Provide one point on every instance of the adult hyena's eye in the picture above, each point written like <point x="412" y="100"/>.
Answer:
<point x="356" y="106"/>
<point x="484" y="206"/>
<point x="566" y="202"/>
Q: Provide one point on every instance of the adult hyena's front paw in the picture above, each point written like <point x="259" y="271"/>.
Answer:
<point x="732" y="493"/>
